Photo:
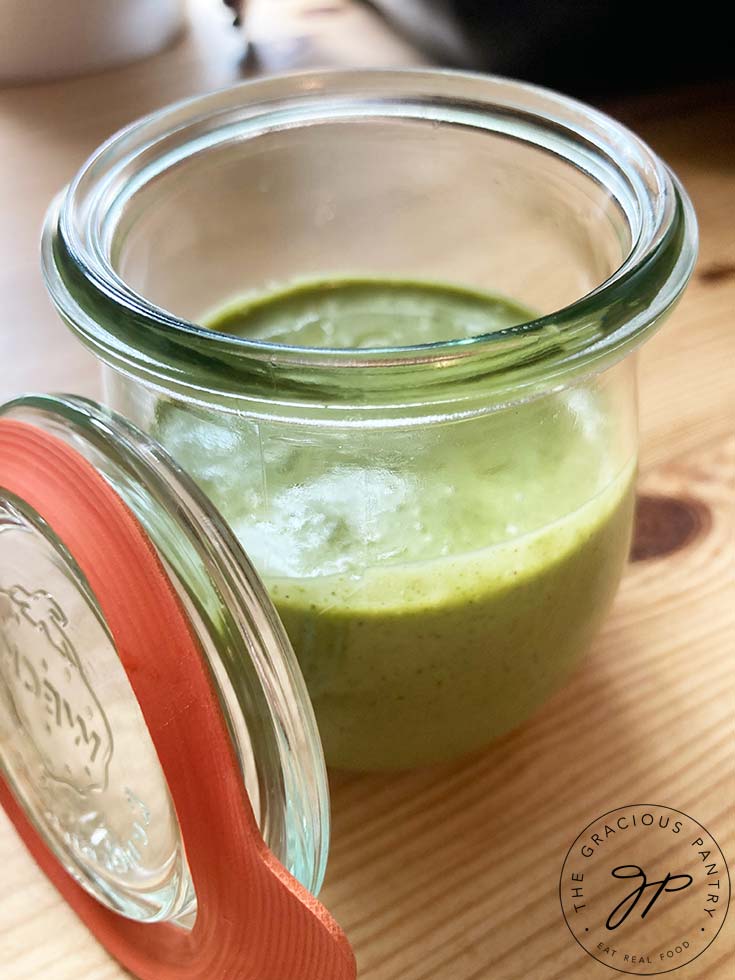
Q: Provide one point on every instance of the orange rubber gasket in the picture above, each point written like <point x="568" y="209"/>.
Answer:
<point x="254" y="920"/>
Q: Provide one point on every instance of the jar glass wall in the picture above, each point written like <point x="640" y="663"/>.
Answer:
<point x="442" y="525"/>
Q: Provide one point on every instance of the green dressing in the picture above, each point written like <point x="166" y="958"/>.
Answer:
<point x="436" y="590"/>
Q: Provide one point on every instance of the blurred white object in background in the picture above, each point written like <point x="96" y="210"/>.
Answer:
<point x="43" y="39"/>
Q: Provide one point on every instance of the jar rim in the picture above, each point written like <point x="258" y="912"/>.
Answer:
<point x="587" y="335"/>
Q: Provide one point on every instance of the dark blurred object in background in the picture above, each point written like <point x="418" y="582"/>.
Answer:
<point x="236" y="6"/>
<point x="587" y="47"/>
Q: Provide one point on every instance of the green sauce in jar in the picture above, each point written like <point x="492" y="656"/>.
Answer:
<point x="435" y="589"/>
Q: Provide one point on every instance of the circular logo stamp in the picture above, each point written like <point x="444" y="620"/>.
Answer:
<point x="644" y="889"/>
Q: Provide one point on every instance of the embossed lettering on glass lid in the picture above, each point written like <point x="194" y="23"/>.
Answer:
<point x="73" y="742"/>
<point x="75" y="747"/>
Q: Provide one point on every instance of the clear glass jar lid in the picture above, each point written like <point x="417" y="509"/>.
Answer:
<point x="155" y="729"/>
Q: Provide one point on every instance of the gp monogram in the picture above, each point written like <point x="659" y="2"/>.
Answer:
<point x="645" y="889"/>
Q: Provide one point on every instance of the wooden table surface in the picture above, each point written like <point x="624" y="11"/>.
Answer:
<point x="453" y="874"/>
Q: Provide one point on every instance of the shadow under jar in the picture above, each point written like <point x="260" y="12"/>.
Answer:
<point x="436" y="485"/>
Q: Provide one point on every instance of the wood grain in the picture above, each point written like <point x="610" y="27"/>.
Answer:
<point x="452" y="874"/>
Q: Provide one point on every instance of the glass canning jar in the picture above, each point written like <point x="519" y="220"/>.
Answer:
<point x="441" y="526"/>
